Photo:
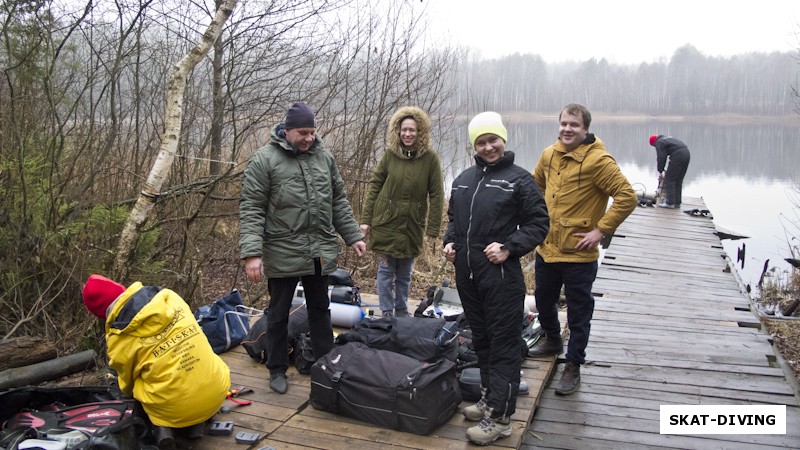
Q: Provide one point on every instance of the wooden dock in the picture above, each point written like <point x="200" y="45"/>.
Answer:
<point x="288" y="421"/>
<point x="671" y="326"/>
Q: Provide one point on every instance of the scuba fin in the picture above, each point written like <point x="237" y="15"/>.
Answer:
<point x="87" y="417"/>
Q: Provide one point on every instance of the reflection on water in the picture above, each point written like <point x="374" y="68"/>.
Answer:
<point x="744" y="172"/>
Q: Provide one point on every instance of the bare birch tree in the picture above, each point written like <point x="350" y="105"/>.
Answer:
<point x="169" y="143"/>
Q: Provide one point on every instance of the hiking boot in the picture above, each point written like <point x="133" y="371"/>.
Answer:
<point x="546" y="346"/>
<point x="277" y="382"/>
<point x="401" y="313"/>
<point x="165" y="438"/>
<point x="196" y="431"/>
<point x="475" y="412"/>
<point x="489" y="430"/>
<point x="570" y="379"/>
<point x="388" y="314"/>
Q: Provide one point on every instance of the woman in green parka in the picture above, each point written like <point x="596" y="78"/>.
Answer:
<point x="404" y="203"/>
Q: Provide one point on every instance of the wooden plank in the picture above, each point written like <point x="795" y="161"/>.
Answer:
<point x="669" y="286"/>
<point x="671" y="393"/>
<point x="627" y="402"/>
<point x="671" y="326"/>
<point x="610" y="425"/>
<point x="689" y="378"/>
<point x="686" y="344"/>
<point x="665" y="313"/>
<point x="653" y="389"/>
<point x="587" y="435"/>
<point x="539" y="440"/>
<point x="698" y="361"/>
<point x="633" y="318"/>
<point x="341" y="431"/>
<point x="628" y="397"/>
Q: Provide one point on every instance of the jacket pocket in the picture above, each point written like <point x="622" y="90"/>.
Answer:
<point x="418" y="212"/>
<point x="570" y="226"/>
<point x="383" y="212"/>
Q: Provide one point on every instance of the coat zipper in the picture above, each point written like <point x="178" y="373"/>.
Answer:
<point x="469" y="228"/>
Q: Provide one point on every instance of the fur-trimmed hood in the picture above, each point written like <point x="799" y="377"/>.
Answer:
<point x="423" y="144"/>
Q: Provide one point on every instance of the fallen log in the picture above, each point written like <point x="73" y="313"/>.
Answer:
<point x="24" y="351"/>
<point x="789" y="310"/>
<point x="48" y="370"/>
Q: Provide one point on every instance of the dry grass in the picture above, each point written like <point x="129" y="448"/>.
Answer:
<point x="786" y="335"/>
<point x="779" y="297"/>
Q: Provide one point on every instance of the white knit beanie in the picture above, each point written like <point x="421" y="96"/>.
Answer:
<point x="486" y="122"/>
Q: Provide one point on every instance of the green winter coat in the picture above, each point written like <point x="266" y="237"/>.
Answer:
<point x="406" y="192"/>
<point x="291" y="208"/>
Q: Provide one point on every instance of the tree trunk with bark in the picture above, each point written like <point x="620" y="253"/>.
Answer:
<point x="24" y="351"/>
<point x="47" y="370"/>
<point x="169" y="144"/>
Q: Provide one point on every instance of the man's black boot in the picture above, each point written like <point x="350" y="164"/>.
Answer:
<point x="165" y="438"/>
<point x="277" y="382"/>
<point x="546" y="347"/>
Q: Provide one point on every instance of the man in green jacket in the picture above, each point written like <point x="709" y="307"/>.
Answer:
<point x="293" y="203"/>
<point x="577" y="177"/>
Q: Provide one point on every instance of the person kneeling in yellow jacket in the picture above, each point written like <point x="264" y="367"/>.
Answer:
<point x="160" y="354"/>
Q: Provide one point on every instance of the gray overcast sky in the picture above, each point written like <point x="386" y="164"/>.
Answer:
<point x="622" y="31"/>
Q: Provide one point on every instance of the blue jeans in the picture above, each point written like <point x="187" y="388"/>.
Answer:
<point x="394" y="279"/>
<point x="577" y="279"/>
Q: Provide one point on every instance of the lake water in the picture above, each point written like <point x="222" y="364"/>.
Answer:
<point x="745" y="173"/>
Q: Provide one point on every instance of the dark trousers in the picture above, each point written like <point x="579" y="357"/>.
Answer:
<point x="493" y="297"/>
<point x="673" y="179"/>
<point x="281" y="292"/>
<point x="577" y="279"/>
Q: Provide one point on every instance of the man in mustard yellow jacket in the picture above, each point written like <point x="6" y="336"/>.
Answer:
<point x="576" y="176"/>
<point x="160" y="354"/>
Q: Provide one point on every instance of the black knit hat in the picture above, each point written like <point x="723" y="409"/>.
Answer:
<point x="299" y="116"/>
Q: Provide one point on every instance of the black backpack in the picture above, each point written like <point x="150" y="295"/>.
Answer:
<point x="340" y="277"/>
<point x="255" y="343"/>
<point x="303" y="354"/>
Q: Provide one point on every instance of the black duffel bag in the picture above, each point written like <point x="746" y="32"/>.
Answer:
<point x="340" y="277"/>
<point x="424" y="339"/>
<point x="348" y="295"/>
<point x="385" y="388"/>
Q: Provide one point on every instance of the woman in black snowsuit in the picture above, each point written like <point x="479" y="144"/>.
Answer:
<point x="496" y="215"/>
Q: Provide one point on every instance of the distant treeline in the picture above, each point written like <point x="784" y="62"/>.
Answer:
<point x="689" y="83"/>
